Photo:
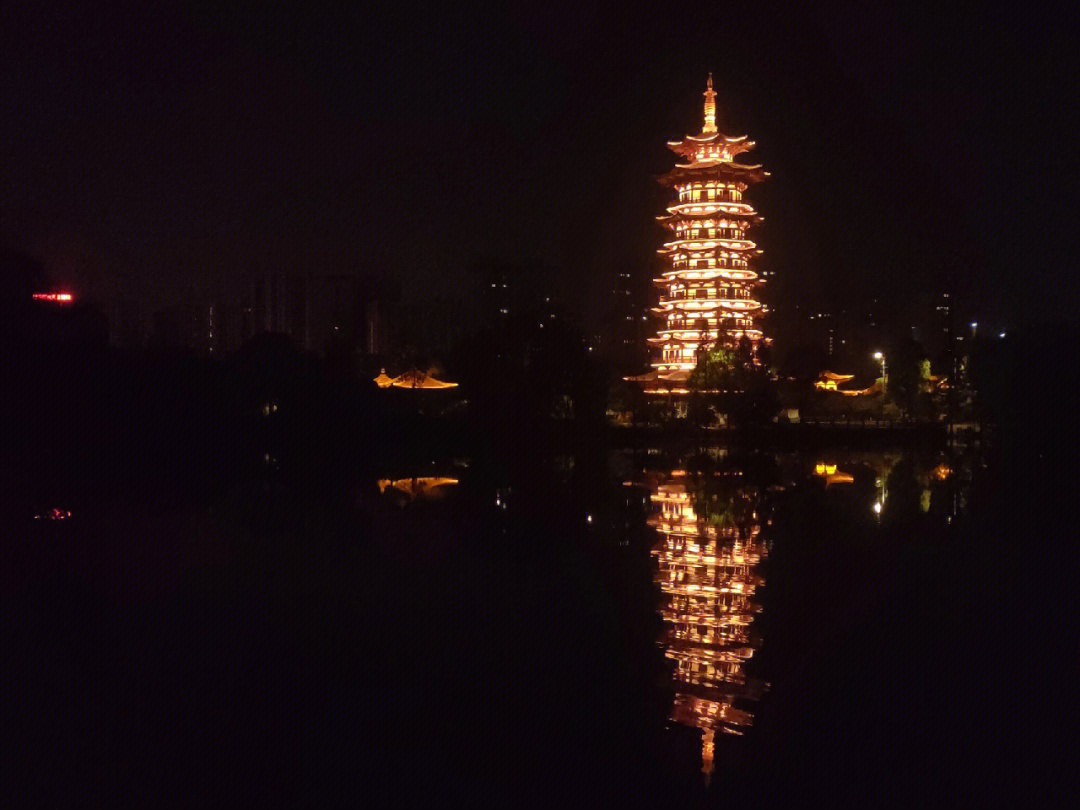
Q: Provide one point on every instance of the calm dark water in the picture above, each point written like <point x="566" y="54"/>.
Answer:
<point x="673" y="628"/>
<point x="767" y="563"/>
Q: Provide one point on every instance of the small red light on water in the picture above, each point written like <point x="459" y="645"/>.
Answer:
<point x="60" y="298"/>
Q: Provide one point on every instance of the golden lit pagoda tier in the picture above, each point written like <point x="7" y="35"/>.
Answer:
<point x="707" y="589"/>
<point x="731" y="609"/>
<point x="703" y="226"/>
<point x="709" y="209"/>
<point x="707" y="260"/>
<point x="711" y="146"/>
<point x="687" y="177"/>
<point x="704" y="192"/>
<point x="722" y="642"/>
<point x="707" y="274"/>
<point x="722" y="274"/>
<point x="726" y="553"/>
<point x="708" y="304"/>
<point x="688" y="636"/>
<point x="695" y="309"/>
<point x="709" y="715"/>
<point x="723" y="549"/>
<point x="713" y="668"/>
<point x="685" y="337"/>
<point x="709" y="624"/>
<point x="694" y="211"/>
<point x="728" y="322"/>
<point x="720" y="325"/>
<point x="736" y="256"/>
<point x="696" y="689"/>
<point x="729" y="241"/>
<point x="720" y="565"/>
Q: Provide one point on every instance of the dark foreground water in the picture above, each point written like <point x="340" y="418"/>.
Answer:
<point x="713" y="626"/>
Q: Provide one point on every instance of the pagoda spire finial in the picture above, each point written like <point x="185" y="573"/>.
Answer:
<point x="710" y="108"/>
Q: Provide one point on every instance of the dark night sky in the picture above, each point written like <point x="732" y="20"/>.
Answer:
<point x="157" y="148"/>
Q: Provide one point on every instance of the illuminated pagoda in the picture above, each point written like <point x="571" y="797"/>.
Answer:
<point x="707" y="577"/>
<point x="707" y="289"/>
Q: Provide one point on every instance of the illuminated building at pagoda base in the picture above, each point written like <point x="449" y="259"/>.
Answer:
<point x="412" y="379"/>
<point x="707" y="287"/>
<point x="707" y="575"/>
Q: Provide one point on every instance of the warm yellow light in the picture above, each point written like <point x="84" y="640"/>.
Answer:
<point x="941" y="472"/>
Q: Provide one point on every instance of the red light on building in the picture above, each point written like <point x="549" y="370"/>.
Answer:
<point x="56" y="298"/>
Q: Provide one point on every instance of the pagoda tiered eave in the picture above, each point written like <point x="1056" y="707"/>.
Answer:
<point x="728" y="274"/>
<point x="745" y="219"/>
<point x="709" y="244"/>
<point x="727" y="171"/>
<point x="694" y="209"/>
<point x="706" y="305"/>
<point x="743" y="246"/>
<point x="710" y="137"/>
<point x="691" y="145"/>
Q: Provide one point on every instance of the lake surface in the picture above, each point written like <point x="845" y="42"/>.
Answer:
<point x="649" y="626"/>
<point x="694" y="603"/>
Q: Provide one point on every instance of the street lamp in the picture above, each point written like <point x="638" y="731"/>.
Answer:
<point x="880" y="356"/>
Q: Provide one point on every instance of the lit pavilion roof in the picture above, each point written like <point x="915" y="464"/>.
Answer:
<point x="384" y="380"/>
<point x="415" y="378"/>
<point x="416" y="487"/>
<point x="674" y="380"/>
<point x="832" y="475"/>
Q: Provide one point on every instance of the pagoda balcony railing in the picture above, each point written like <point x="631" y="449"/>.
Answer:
<point x="706" y="304"/>
<point x="681" y="264"/>
<point x="692" y="212"/>
<point x="704" y="195"/>
<point x="718" y="295"/>
<point x="732" y="283"/>
<point x="710" y="233"/>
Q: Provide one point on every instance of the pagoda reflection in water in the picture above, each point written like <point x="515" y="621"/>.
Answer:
<point x="707" y="557"/>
